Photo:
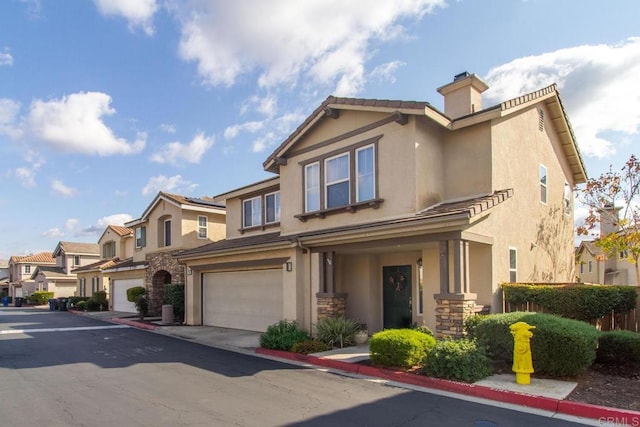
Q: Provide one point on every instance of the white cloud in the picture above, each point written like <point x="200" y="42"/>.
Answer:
<point x="9" y="110"/>
<point x="139" y="13"/>
<point x="71" y="224"/>
<point x="177" y="152"/>
<point x="168" y="128"/>
<point x="59" y="188"/>
<point x="6" y="59"/>
<point x="75" y="123"/>
<point x="26" y="176"/>
<point x="285" y="42"/>
<point x="598" y="84"/>
<point x="251" y="127"/>
<point x="53" y="233"/>
<point x="386" y="72"/>
<point x="115" y="219"/>
<point x="173" y="184"/>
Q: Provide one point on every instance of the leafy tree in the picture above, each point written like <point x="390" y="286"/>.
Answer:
<point x="614" y="198"/>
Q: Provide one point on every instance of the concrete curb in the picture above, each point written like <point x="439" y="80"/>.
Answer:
<point x="135" y="324"/>
<point x="566" y="407"/>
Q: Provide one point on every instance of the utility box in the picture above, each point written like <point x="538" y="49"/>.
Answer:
<point x="167" y="314"/>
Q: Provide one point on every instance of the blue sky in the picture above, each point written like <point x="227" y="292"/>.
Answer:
<point x="104" y="103"/>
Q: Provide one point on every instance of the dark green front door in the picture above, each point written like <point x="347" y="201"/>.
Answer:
<point x="396" y="294"/>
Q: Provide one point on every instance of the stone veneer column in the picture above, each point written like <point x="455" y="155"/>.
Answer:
<point x="331" y="305"/>
<point x="451" y="312"/>
<point x="163" y="261"/>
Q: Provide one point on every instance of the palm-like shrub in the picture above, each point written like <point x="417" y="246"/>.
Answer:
<point x="337" y="331"/>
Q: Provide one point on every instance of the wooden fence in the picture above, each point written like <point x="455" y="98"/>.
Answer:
<point x="626" y="321"/>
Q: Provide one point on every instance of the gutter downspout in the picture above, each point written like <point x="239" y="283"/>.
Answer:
<point x="308" y="250"/>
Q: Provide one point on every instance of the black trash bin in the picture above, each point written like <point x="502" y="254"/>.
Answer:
<point x="18" y="302"/>
<point x="62" y="304"/>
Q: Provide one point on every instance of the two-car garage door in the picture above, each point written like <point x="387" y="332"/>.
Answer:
<point x="249" y="300"/>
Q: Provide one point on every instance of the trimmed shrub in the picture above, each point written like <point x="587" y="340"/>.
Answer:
<point x="310" y="346"/>
<point x="75" y="300"/>
<point x="283" y="335"/>
<point x="619" y="348"/>
<point x="400" y="347"/>
<point x="174" y="295"/>
<point x="81" y="305"/>
<point x="576" y="301"/>
<point x="560" y="347"/>
<point x="459" y="360"/>
<point x="337" y="331"/>
<point x="424" y="329"/>
<point x="92" y="304"/>
<point x="40" y="298"/>
<point x="470" y="324"/>
<point x="135" y="292"/>
<point x="142" y="305"/>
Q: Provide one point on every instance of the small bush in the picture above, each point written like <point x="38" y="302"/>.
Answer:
<point x="81" y="305"/>
<point x="423" y="328"/>
<point x="283" y="335"/>
<point x="92" y="304"/>
<point x="40" y="298"/>
<point x="337" y="331"/>
<point x="400" y="347"/>
<point x="100" y="296"/>
<point x="310" y="346"/>
<point x="619" y="348"/>
<point x="459" y="360"/>
<point x="142" y="305"/>
<point x="560" y="347"/>
<point x="470" y="324"/>
<point x="174" y="295"/>
<point x="75" y="300"/>
<point x="135" y="292"/>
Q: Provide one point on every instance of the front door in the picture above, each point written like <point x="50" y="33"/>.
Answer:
<point x="396" y="294"/>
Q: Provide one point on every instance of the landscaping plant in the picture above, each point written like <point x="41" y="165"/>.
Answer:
<point x="400" y="347"/>
<point x="458" y="360"/>
<point x="283" y="335"/>
<point x="310" y="346"/>
<point x="619" y="348"/>
<point x="337" y="331"/>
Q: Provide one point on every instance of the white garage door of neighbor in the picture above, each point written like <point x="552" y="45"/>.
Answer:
<point x="249" y="300"/>
<point x="120" y="302"/>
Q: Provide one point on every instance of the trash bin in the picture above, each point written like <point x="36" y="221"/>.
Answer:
<point x="62" y="304"/>
<point x="52" y="304"/>
<point x="18" y="302"/>
<point x="5" y="301"/>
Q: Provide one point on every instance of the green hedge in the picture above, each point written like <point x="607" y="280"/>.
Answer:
<point x="560" y="347"/>
<point x="74" y="301"/>
<point x="283" y="336"/>
<point x="174" y="295"/>
<point x="458" y="360"/>
<point x="620" y="348"/>
<point x="400" y="347"/>
<point x="135" y="292"/>
<point x="576" y="301"/>
<point x="40" y="297"/>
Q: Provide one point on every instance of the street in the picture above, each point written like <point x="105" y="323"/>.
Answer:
<point x="62" y="369"/>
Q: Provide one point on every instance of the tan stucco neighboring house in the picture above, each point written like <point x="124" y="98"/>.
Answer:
<point x="116" y="244"/>
<point x="393" y="213"/>
<point x="60" y="278"/>
<point x="20" y="270"/>
<point x="4" y="277"/>
<point x="169" y="224"/>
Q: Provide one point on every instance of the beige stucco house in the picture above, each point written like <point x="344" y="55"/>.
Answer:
<point x="20" y="270"/>
<point x="393" y="213"/>
<point x="169" y="224"/>
<point x="60" y="278"/>
<point x="116" y="244"/>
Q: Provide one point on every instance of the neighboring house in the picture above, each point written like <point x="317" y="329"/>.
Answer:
<point x="69" y="256"/>
<point x="594" y="266"/>
<point x="169" y="224"/>
<point x="393" y="213"/>
<point x="20" y="270"/>
<point x="4" y="277"/>
<point x="116" y="244"/>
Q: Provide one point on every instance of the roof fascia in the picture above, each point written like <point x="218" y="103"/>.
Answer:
<point x="247" y="189"/>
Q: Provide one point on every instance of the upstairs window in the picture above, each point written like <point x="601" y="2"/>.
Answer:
<point x="141" y="237"/>
<point x="202" y="227"/>
<point x="543" y="184"/>
<point x="252" y="212"/>
<point x="590" y="266"/>
<point x="27" y="269"/>
<point x="76" y="260"/>
<point x="272" y="207"/>
<point x="109" y="250"/>
<point x="341" y="179"/>
<point x="167" y="233"/>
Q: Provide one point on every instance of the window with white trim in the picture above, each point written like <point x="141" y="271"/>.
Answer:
<point x="582" y="268"/>
<point x="341" y="179"/>
<point x="76" y="260"/>
<point x="567" y="198"/>
<point x="27" y="269"/>
<point x="95" y="284"/>
<point x="109" y="249"/>
<point x="141" y="237"/>
<point x="513" y="265"/>
<point x="202" y="227"/>
<point x="420" y="288"/>
<point x="590" y="266"/>
<point x="167" y="233"/>
<point x="83" y="287"/>
<point x="543" y="184"/>
<point x="272" y="207"/>
<point x="252" y="212"/>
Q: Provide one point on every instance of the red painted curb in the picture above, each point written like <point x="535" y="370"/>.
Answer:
<point x="522" y="399"/>
<point x="133" y="323"/>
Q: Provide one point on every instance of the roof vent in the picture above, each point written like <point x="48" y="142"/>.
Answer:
<point x="461" y="75"/>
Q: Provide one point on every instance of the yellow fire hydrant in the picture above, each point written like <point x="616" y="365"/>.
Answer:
<point x="522" y="363"/>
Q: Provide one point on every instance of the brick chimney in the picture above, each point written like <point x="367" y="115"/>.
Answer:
<point x="463" y="96"/>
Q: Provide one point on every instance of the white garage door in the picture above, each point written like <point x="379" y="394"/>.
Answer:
<point x="249" y="300"/>
<point x="120" y="302"/>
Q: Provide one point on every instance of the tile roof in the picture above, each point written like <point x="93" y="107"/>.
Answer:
<point x="78" y="248"/>
<point x="471" y="207"/>
<point x="120" y="230"/>
<point x="193" y="201"/>
<point x="127" y="263"/>
<point x="52" y="272"/>
<point x="100" y="265"/>
<point x="42" y="257"/>
<point x="260" y="239"/>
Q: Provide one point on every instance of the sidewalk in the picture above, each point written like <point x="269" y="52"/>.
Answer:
<point x="541" y="394"/>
